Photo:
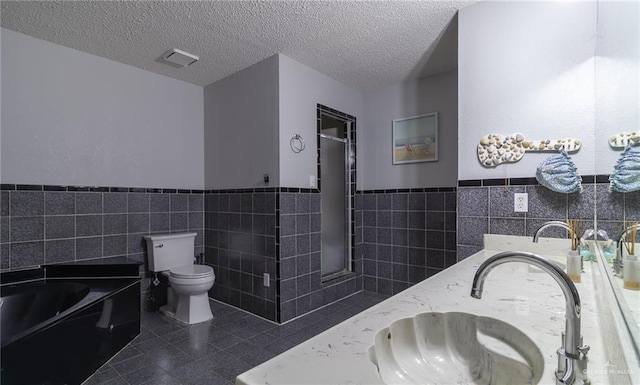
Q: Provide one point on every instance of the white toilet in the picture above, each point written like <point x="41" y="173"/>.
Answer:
<point x="187" y="295"/>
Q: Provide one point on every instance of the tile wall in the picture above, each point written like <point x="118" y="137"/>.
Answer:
<point x="404" y="236"/>
<point x="240" y="234"/>
<point x="486" y="207"/>
<point x="300" y="280"/>
<point x="400" y="238"/>
<point x="250" y="232"/>
<point x="57" y="224"/>
<point x="613" y="209"/>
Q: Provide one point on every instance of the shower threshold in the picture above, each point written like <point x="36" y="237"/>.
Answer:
<point x="337" y="276"/>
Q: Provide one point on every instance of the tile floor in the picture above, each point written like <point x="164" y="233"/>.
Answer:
<point x="215" y="352"/>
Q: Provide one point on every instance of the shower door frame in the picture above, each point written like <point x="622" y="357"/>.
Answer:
<point x="349" y="175"/>
<point x="347" y="209"/>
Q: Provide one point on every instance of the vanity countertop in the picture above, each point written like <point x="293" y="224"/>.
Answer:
<point x="632" y="297"/>
<point x="531" y="301"/>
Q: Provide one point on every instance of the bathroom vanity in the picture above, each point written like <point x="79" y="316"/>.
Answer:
<point x="516" y="293"/>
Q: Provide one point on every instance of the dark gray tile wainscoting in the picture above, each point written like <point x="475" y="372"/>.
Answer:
<point x="240" y="245"/>
<point x="301" y="287"/>
<point x="404" y="236"/>
<point x="57" y="224"/>
<point x="613" y="209"/>
<point x="250" y="232"/>
<point x="399" y="237"/>
<point x="486" y="207"/>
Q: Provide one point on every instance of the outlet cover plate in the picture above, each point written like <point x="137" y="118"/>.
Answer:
<point x="521" y="202"/>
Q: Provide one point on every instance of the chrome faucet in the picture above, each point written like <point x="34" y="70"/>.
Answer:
<point x="564" y="225"/>
<point x="572" y="356"/>
<point x="618" y="260"/>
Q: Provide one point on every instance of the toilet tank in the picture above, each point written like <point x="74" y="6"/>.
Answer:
<point x="167" y="251"/>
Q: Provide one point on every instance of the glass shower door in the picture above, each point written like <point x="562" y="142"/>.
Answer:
<point x="334" y="208"/>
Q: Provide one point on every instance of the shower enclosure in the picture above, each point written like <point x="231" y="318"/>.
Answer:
<point x="335" y="199"/>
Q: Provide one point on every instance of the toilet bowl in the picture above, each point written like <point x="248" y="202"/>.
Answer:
<point x="189" y="284"/>
<point x="188" y="293"/>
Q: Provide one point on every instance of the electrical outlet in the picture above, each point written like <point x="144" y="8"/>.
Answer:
<point x="312" y="181"/>
<point x="521" y="202"/>
<point x="265" y="279"/>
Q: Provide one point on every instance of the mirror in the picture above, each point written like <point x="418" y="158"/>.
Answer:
<point x="617" y="101"/>
<point x="584" y="60"/>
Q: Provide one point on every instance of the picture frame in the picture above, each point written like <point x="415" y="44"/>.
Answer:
<point x="415" y="139"/>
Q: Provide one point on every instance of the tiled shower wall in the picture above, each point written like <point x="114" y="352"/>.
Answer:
<point x="486" y="207"/>
<point x="57" y="224"/>
<point x="404" y="236"/>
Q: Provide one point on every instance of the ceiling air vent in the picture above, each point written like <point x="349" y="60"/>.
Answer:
<point x="179" y="58"/>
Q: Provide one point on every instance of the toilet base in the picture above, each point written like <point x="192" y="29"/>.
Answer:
<point x="194" y="309"/>
<point x="189" y="309"/>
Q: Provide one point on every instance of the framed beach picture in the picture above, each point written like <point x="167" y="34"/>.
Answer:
<point x="415" y="139"/>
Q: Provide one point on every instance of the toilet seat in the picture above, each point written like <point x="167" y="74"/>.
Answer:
<point x="192" y="271"/>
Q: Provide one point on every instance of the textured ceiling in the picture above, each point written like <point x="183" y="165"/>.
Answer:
<point x="364" y="44"/>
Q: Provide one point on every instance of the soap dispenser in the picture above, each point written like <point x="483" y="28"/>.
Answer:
<point x="574" y="260"/>
<point x="631" y="273"/>
<point x="574" y="265"/>
<point x="631" y="266"/>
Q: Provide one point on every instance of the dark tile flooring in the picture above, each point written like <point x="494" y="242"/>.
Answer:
<point x="215" y="352"/>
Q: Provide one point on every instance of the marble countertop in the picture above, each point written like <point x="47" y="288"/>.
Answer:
<point x="529" y="300"/>
<point x="632" y="297"/>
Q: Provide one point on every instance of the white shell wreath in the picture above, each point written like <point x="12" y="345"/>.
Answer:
<point x="495" y="149"/>
<point x="622" y="139"/>
<point x="297" y="143"/>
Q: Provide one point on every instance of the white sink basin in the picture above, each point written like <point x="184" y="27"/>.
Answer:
<point x="455" y="348"/>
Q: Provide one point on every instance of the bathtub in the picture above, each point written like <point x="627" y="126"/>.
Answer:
<point x="61" y="330"/>
<point x="34" y="305"/>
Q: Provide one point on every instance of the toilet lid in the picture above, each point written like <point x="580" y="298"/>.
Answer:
<point x="192" y="271"/>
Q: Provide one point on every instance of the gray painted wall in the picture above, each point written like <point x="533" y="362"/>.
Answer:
<point x="436" y="93"/>
<point x="530" y="80"/>
<point x="301" y="89"/>
<point x="70" y="118"/>
<point x="241" y="128"/>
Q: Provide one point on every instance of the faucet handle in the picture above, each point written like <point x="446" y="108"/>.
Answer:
<point x="584" y="349"/>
